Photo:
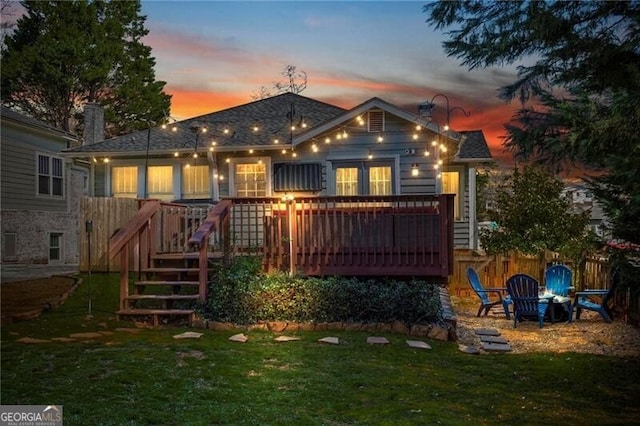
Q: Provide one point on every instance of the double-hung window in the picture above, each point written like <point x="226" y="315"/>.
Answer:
<point x="50" y="175"/>
<point x="363" y="178"/>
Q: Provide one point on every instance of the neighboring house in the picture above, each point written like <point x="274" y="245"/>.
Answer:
<point x="41" y="192"/>
<point x="290" y="145"/>
<point x="583" y="200"/>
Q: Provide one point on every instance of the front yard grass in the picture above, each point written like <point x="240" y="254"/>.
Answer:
<point x="149" y="377"/>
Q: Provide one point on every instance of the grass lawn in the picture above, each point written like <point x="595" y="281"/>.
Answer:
<point x="148" y="377"/>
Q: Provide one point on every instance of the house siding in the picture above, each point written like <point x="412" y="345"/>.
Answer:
<point x="30" y="218"/>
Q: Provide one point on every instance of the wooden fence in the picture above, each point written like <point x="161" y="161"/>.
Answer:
<point x="107" y="216"/>
<point x="495" y="270"/>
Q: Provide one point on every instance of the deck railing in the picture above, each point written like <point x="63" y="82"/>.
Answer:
<point x="408" y="235"/>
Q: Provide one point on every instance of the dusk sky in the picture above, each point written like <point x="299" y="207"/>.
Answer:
<point x="215" y="55"/>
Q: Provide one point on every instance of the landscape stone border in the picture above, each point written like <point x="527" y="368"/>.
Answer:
<point x="445" y="331"/>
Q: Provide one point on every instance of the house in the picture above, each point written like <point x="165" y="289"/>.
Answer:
<point x="291" y="145"/>
<point x="311" y="187"/>
<point x="40" y="192"/>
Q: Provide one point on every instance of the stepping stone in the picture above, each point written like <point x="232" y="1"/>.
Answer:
<point x="63" y="339"/>
<point x="330" y="340"/>
<point x="469" y="349"/>
<point x="188" y="335"/>
<point x="493" y="339"/>
<point x="286" y="339"/>
<point x="87" y="335"/>
<point x="106" y="333"/>
<point x="487" y="332"/>
<point x="128" y="330"/>
<point x="32" y="340"/>
<point x="240" y="338"/>
<point x="496" y="347"/>
<point x="377" y="340"/>
<point x="418" y="344"/>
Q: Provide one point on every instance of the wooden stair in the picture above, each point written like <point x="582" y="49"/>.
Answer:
<point x="167" y="289"/>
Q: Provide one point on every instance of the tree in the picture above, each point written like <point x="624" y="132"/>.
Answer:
<point x="65" y="54"/>
<point x="296" y="82"/>
<point x="532" y="215"/>
<point x="578" y="83"/>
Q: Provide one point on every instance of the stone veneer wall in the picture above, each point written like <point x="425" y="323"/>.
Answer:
<point x="32" y="227"/>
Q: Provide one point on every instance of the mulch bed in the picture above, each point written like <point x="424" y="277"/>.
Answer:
<point x="24" y="300"/>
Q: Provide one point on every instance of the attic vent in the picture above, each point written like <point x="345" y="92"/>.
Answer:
<point x="376" y="120"/>
<point x="297" y="177"/>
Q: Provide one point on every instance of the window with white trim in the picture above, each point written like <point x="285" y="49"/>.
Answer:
<point x="124" y="182"/>
<point x="55" y="246"/>
<point x="250" y="179"/>
<point x="160" y="184"/>
<point x="195" y="181"/>
<point x="50" y="175"/>
<point x="363" y="178"/>
<point x="451" y="185"/>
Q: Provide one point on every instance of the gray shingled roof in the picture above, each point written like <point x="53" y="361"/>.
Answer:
<point x="474" y="147"/>
<point x="13" y="115"/>
<point x="273" y="117"/>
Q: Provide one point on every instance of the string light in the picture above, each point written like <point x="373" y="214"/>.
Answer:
<point x="327" y="140"/>
<point x="380" y="138"/>
<point x="414" y="170"/>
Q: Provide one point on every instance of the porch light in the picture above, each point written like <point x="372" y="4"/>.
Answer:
<point x="380" y="138"/>
<point x="414" y="170"/>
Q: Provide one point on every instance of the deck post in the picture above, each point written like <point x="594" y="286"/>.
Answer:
<point x="293" y="239"/>
<point x="124" y="276"/>
<point x="203" y="269"/>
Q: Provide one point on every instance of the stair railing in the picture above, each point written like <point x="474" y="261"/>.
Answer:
<point x="216" y="223"/>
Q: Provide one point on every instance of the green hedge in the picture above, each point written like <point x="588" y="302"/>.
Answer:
<point x="240" y="293"/>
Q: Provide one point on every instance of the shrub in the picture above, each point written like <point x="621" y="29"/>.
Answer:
<point x="240" y="293"/>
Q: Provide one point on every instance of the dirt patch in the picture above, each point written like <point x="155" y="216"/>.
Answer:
<point x="24" y="300"/>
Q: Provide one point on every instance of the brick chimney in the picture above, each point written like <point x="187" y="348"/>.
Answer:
<point x="93" y="123"/>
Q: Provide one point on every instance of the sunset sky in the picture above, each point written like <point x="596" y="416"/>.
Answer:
<point x="217" y="54"/>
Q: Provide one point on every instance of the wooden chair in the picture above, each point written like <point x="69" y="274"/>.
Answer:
<point x="524" y="292"/>
<point x="486" y="301"/>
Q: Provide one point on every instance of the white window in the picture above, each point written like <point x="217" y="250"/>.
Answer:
<point x="55" y="247"/>
<point x="451" y="185"/>
<point x="160" y="184"/>
<point x="347" y="181"/>
<point x="363" y="178"/>
<point x="250" y="179"/>
<point x="380" y="180"/>
<point x="50" y="175"/>
<point x="124" y="182"/>
<point x="195" y="181"/>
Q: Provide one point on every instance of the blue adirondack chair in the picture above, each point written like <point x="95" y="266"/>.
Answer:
<point x="594" y="300"/>
<point x="557" y="281"/>
<point x="489" y="297"/>
<point x="524" y="292"/>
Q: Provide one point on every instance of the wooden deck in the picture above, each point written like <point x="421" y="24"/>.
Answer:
<point x="408" y="235"/>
